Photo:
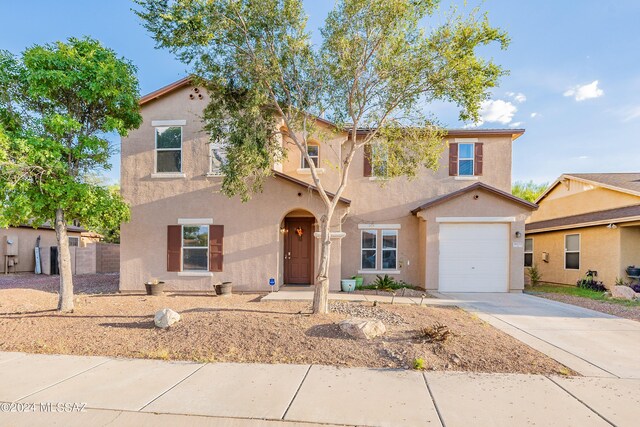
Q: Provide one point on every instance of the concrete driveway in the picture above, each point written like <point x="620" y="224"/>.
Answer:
<point x="589" y="342"/>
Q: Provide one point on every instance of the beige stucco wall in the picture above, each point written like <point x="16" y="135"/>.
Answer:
<point x="26" y="244"/>
<point x="252" y="239"/>
<point x="485" y="205"/>
<point x="252" y="244"/>
<point x="600" y="250"/>
<point x="574" y="198"/>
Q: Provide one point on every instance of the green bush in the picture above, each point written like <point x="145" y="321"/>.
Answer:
<point x="534" y="275"/>
<point x="419" y="364"/>
<point x="386" y="283"/>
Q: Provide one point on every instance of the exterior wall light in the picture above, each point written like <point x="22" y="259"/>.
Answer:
<point x="518" y="234"/>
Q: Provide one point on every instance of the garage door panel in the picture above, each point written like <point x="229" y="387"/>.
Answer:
<point x="474" y="257"/>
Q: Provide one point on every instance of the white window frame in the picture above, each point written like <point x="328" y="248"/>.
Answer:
<point x="155" y="151"/>
<point x="375" y="249"/>
<point x="472" y="158"/>
<point x="572" y="252"/>
<point x="212" y="146"/>
<point x="182" y="248"/>
<point x="382" y="248"/>
<point x="317" y="157"/>
<point x="76" y="239"/>
<point x="526" y="252"/>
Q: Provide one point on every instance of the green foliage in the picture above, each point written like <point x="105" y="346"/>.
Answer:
<point x="57" y="103"/>
<point x="386" y="283"/>
<point x="583" y="293"/>
<point x="529" y="191"/>
<point x="621" y="282"/>
<point x="534" y="275"/>
<point x="419" y="364"/>
<point x="377" y="68"/>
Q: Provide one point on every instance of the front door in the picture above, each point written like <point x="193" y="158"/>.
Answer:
<point x="298" y="251"/>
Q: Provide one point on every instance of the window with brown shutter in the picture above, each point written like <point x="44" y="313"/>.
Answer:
<point x="216" y="236"/>
<point x="478" y="158"/>
<point x="367" y="160"/>
<point x="453" y="159"/>
<point x="174" y="247"/>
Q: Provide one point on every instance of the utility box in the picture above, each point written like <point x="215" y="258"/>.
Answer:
<point x="10" y="245"/>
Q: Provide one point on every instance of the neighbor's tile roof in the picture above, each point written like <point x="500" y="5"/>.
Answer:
<point x="627" y="213"/>
<point x="626" y="181"/>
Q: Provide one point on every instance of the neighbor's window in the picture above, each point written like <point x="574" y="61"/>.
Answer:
<point x="217" y="157"/>
<point x="389" y="249"/>
<point x="369" y="248"/>
<point x="74" y="241"/>
<point x="465" y="159"/>
<point x="314" y="154"/>
<point x="169" y="149"/>
<point x="528" y="252"/>
<point x="195" y="247"/>
<point x="572" y="251"/>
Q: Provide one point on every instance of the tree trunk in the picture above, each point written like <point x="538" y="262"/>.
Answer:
<point x="321" y="291"/>
<point x="65" y="300"/>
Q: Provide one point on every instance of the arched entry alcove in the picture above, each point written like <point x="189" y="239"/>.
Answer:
<point x="298" y="248"/>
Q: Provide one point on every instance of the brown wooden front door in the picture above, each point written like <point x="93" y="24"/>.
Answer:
<point x="298" y="251"/>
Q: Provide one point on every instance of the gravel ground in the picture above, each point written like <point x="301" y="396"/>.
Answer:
<point x="244" y="329"/>
<point x="619" y="310"/>
<point x="82" y="284"/>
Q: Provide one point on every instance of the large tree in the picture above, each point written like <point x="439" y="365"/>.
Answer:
<point x="58" y="103"/>
<point x="528" y="190"/>
<point x="378" y="68"/>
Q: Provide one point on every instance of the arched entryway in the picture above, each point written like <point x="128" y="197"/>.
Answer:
<point x="298" y="254"/>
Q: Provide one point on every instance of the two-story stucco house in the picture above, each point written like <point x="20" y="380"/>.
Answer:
<point x="456" y="229"/>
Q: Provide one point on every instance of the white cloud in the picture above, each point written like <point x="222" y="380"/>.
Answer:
<point x="518" y="97"/>
<point x="496" y="111"/>
<point x="583" y="92"/>
<point x="534" y="115"/>
<point x="631" y="114"/>
<point x="516" y="124"/>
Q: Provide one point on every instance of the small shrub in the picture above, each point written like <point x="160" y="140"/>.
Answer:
<point x="534" y="275"/>
<point x="436" y="333"/>
<point x="621" y="282"/>
<point x="588" y="282"/>
<point x="419" y="364"/>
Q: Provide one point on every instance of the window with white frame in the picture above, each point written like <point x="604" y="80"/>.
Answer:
<point x="314" y="154"/>
<point x="74" y="241"/>
<point x="168" y="149"/>
<point x="368" y="247"/>
<point x="465" y="159"/>
<point x="217" y="157"/>
<point x="528" y="252"/>
<point x="195" y="248"/>
<point x="572" y="251"/>
<point x="389" y="249"/>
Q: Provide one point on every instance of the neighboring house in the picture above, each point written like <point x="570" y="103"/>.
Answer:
<point x="456" y="229"/>
<point x="23" y="244"/>
<point x="588" y="221"/>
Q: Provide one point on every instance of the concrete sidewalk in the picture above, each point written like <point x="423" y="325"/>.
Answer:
<point x="589" y="342"/>
<point x="125" y="392"/>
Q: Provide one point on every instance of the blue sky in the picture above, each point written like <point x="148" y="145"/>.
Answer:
<point x="558" y="51"/>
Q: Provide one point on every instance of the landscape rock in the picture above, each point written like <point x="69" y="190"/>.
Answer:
<point x="622" y="292"/>
<point x="165" y="318"/>
<point x="363" y="328"/>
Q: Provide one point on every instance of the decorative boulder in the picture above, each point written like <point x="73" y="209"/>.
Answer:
<point x="363" y="328"/>
<point x="622" y="292"/>
<point x="165" y="318"/>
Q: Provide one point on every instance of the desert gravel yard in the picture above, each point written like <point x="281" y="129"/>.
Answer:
<point x="244" y="329"/>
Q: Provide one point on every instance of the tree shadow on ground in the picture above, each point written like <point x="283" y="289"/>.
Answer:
<point x="130" y="325"/>
<point x="327" y="330"/>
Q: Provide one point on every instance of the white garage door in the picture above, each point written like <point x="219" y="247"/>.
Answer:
<point x="474" y="257"/>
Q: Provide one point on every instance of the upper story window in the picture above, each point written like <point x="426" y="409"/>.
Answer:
<point x="314" y="154"/>
<point x="168" y="149"/>
<point x="217" y="157"/>
<point x="74" y="241"/>
<point x="375" y="161"/>
<point x="465" y="159"/>
<point x="528" y="252"/>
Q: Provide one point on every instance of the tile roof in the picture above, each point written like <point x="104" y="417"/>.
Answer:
<point x="627" y="213"/>
<point x="626" y="181"/>
<point x="478" y="185"/>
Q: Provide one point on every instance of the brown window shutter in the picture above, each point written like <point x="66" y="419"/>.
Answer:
<point x="216" y="236"/>
<point x="477" y="158"/>
<point x="174" y="247"/>
<point x="453" y="159"/>
<point x="367" y="160"/>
